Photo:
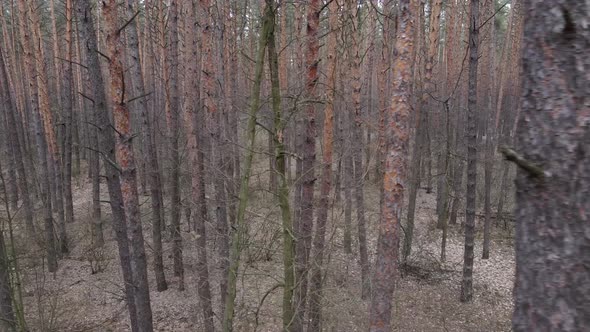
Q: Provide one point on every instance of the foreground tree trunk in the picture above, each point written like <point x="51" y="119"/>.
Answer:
<point x="127" y="167"/>
<point x="173" y="135"/>
<point x="69" y="99"/>
<point x="552" y="258"/>
<point x="305" y="227"/>
<point x="283" y="184"/>
<point x="191" y="109"/>
<point x="395" y="177"/>
<point x="467" y="281"/>
<point x="357" y="142"/>
<point x="316" y="282"/>
<point x="107" y="150"/>
<point x="211" y="108"/>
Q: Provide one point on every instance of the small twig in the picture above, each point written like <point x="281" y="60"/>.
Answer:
<point x="106" y="158"/>
<point x="93" y="125"/>
<point x="325" y="6"/>
<point x="519" y="160"/>
<point x="127" y="23"/>
<point x="264" y="127"/>
<point x="493" y="15"/>
<point x="115" y="129"/>
<point x="103" y="55"/>
<point x="264" y="298"/>
<point x="138" y="97"/>
<point x="86" y="97"/>
<point x="72" y="62"/>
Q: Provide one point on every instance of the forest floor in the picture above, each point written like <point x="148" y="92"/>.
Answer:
<point x="426" y="297"/>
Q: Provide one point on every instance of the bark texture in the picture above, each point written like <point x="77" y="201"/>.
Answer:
<point x="127" y="165"/>
<point x="191" y="109"/>
<point x="319" y="242"/>
<point x="467" y="281"/>
<point x="394" y="176"/>
<point x="305" y="227"/>
<point x="552" y="288"/>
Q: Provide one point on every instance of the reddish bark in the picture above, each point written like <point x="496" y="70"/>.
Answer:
<point x="126" y="161"/>
<point x="395" y="175"/>
<point x="316" y="282"/>
<point x="305" y="226"/>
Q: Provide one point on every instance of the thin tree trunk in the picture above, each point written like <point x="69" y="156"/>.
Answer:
<point x="30" y="75"/>
<point x="173" y="134"/>
<point x="416" y="166"/>
<point x="191" y="118"/>
<point x="93" y="143"/>
<point x="140" y="106"/>
<point x="69" y="118"/>
<point x="7" y="318"/>
<point x="502" y="192"/>
<point x="444" y="213"/>
<point x="16" y="143"/>
<point x="467" y="281"/>
<point x="239" y="228"/>
<point x="357" y="155"/>
<point x="211" y="106"/>
<point x="304" y="238"/>
<point x="421" y="149"/>
<point x="316" y="282"/>
<point x="283" y="189"/>
<point x="53" y="156"/>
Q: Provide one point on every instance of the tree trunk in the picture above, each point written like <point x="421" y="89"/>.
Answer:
<point x="304" y="238"/>
<point x="421" y="156"/>
<point x="173" y="135"/>
<point x="7" y="318"/>
<point x="30" y="75"/>
<point x="414" y="181"/>
<point x="283" y="189"/>
<point x="444" y="213"/>
<point x="501" y="193"/>
<point x="127" y="167"/>
<point x="470" y="199"/>
<point x="69" y="118"/>
<point x="551" y="288"/>
<point x="316" y="282"/>
<point x="54" y="157"/>
<point x="140" y="106"/>
<point x="107" y="150"/>
<point x="191" y="110"/>
<point x="395" y="176"/>
<point x="11" y="125"/>
<point x="239" y="229"/>
<point x="211" y="101"/>
<point x="357" y="154"/>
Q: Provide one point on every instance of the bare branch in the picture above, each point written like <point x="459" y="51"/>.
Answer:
<point x="520" y="161"/>
<point x="106" y="158"/>
<point x="72" y="62"/>
<point x="128" y="22"/>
